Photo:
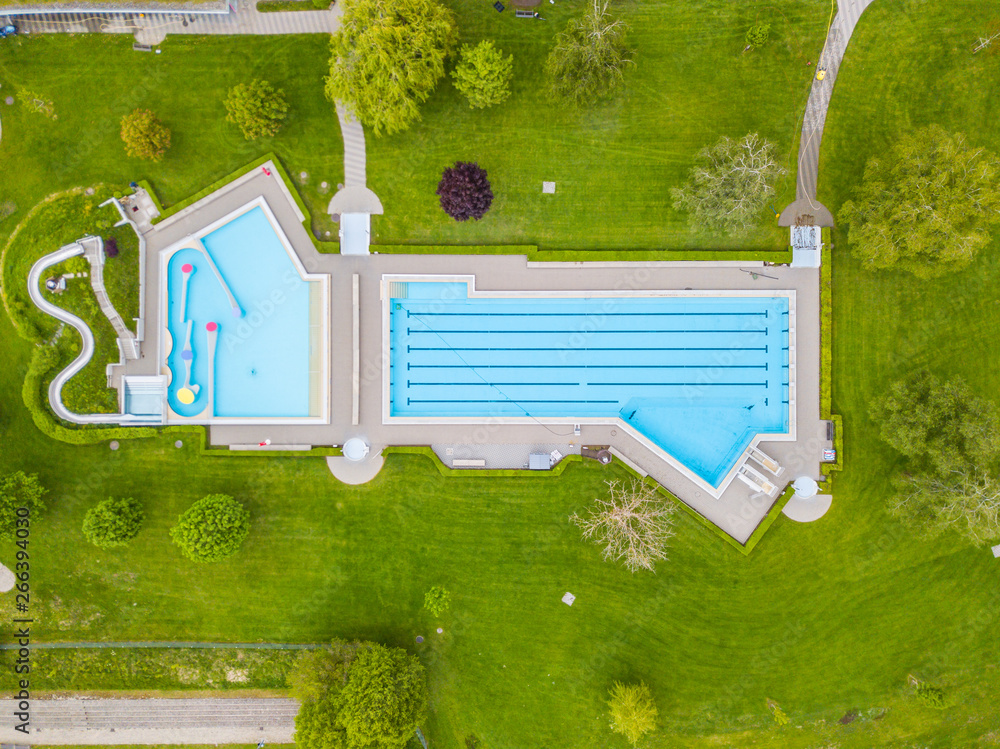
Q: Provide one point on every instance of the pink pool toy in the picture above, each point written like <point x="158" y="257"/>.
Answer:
<point x="211" y="326"/>
<point x="187" y="268"/>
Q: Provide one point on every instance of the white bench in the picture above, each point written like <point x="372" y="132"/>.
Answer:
<point x="470" y="463"/>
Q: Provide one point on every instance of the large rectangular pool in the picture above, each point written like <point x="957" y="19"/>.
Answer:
<point x="698" y="375"/>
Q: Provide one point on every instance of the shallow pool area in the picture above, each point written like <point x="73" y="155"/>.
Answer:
<point x="243" y="325"/>
<point x="699" y="375"/>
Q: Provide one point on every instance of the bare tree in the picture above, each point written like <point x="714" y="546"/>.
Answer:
<point x="966" y="500"/>
<point x="731" y="183"/>
<point x="633" y="524"/>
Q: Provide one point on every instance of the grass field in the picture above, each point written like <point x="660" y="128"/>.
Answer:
<point x="613" y="163"/>
<point x="825" y="619"/>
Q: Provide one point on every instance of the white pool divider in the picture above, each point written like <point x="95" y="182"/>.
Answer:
<point x="356" y="355"/>
<point x="237" y="310"/>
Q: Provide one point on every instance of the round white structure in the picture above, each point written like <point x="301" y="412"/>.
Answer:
<point x="7" y="579"/>
<point x="355" y="449"/>
<point x="805" y="487"/>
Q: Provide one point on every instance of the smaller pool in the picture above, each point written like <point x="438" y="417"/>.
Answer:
<point x="239" y="322"/>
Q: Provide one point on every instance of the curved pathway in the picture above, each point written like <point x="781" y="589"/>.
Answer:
<point x="86" y="352"/>
<point x="153" y="721"/>
<point x="848" y="13"/>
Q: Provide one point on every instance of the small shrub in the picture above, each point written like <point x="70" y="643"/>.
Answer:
<point x="212" y="529"/>
<point x="256" y="108"/>
<point x="113" y="522"/>
<point x="465" y="191"/>
<point x="757" y="35"/>
<point x="19" y="492"/>
<point x="633" y="712"/>
<point x="929" y="695"/>
<point x="777" y="713"/>
<point x="483" y="74"/>
<point x="111" y="247"/>
<point x="437" y="600"/>
<point x="145" y="137"/>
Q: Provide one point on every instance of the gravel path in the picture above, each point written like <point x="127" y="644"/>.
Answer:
<point x="154" y="721"/>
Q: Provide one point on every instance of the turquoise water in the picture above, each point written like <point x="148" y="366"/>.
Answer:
<point x="262" y="352"/>
<point x="699" y="376"/>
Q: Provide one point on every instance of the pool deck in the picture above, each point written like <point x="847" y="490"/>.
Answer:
<point x="736" y="512"/>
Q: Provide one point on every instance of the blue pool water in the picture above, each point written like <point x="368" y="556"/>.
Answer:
<point x="699" y="376"/>
<point x="261" y="365"/>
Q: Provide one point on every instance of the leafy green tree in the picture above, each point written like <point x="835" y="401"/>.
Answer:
<point x="385" y="698"/>
<point x="113" y="522"/>
<point x="145" y="137"/>
<point x="925" y="207"/>
<point x="256" y="108"/>
<point x="19" y="490"/>
<point x="358" y="695"/>
<point x="966" y="500"/>
<point x="757" y="35"/>
<point x="483" y="74"/>
<point x="437" y="600"/>
<point x="941" y="426"/>
<point x="589" y="57"/>
<point x="386" y="59"/>
<point x="633" y="711"/>
<point x="730" y="184"/>
<point x="212" y="529"/>
<point x="318" y="674"/>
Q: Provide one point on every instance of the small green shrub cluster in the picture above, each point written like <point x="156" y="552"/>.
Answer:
<point x="212" y="529"/>
<point x="20" y="498"/>
<point x="758" y="34"/>
<point x="113" y="522"/>
<point x="930" y="695"/>
<point x="437" y="600"/>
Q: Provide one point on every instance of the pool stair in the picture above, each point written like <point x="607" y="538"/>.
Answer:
<point x="765" y="460"/>
<point x="756" y="480"/>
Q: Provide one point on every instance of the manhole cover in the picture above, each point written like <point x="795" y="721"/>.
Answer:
<point x="419" y="639"/>
<point x="114" y="445"/>
<point x="178" y="444"/>
<point x="335" y="217"/>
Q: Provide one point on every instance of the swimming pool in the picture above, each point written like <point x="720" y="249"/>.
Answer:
<point x="243" y="324"/>
<point x="700" y="375"/>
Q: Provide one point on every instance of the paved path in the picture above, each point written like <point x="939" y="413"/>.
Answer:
<point x="152" y="28"/>
<point x="93" y="250"/>
<point x="848" y="12"/>
<point x="354" y="148"/>
<point x="154" y="721"/>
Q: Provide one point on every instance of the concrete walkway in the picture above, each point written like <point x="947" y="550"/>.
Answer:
<point x="93" y="250"/>
<point x="848" y="13"/>
<point x="154" y="721"/>
<point x="153" y="28"/>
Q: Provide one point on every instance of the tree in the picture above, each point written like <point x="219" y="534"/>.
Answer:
<point x="465" y="191"/>
<point x="385" y="698"/>
<point x="437" y="600"/>
<point x="145" y="137"/>
<point x="633" y="524"/>
<point x="386" y="59"/>
<point x="20" y="498"/>
<point x="731" y="183"/>
<point x="589" y="57"/>
<point x="633" y="712"/>
<point x="113" y="522"/>
<point x="757" y="35"/>
<point x="927" y="206"/>
<point x="212" y="529"/>
<point x="358" y="695"/>
<point x="256" y="108"/>
<point x="941" y="426"/>
<point x="966" y="500"/>
<point x="483" y="74"/>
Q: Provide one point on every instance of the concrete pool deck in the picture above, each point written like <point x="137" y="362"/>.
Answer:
<point x="737" y="511"/>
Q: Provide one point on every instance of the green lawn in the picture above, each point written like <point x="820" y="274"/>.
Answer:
<point x="823" y="618"/>
<point x="613" y="163"/>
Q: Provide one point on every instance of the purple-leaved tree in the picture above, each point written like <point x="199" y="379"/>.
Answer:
<point x="465" y="191"/>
